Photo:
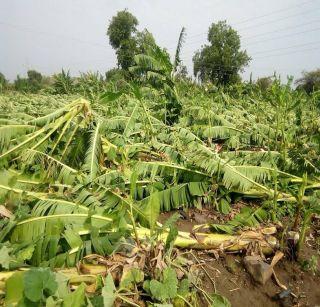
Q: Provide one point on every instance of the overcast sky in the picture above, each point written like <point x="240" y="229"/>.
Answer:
<point x="46" y="35"/>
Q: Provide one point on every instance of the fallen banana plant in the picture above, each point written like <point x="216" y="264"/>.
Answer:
<point x="222" y="242"/>
<point x="131" y="269"/>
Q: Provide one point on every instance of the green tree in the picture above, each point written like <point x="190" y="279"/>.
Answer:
<point x="21" y="84"/>
<point x="144" y="39"/>
<point x="221" y="60"/>
<point x="3" y="82"/>
<point x="114" y="74"/>
<point x="121" y="31"/>
<point x="310" y="81"/>
<point x="126" y="39"/>
<point x="125" y="53"/>
<point x="264" y="83"/>
<point x="31" y="84"/>
<point x="34" y="80"/>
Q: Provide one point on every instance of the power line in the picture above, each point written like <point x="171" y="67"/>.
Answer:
<point x="283" y="36"/>
<point x="262" y="16"/>
<point x="283" y="29"/>
<point x="289" y="47"/>
<point x="270" y="32"/>
<point x="280" y="19"/>
<point x="281" y="54"/>
<point x="69" y="38"/>
<point x="275" y="12"/>
<point x="257" y="25"/>
<point x="271" y="39"/>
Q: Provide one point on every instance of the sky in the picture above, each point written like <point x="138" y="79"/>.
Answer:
<point x="281" y="36"/>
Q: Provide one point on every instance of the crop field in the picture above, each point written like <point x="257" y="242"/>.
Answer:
<point x="83" y="185"/>
<point x="145" y="186"/>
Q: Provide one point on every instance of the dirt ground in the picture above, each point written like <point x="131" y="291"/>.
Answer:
<point x="230" y="279"/>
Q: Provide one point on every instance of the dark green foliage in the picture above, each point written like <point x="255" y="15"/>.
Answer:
<point x="121" y="30"/>
<point x="310" y="81"/>
<point x="125" y="53"/>
<point x="3" y="82"/>
<point x="31" y="84"/>
<point x="114" y="75"/>
<point x="264" y="83"/>
<point x="126" y="40"/>
<point x="144" y="39"/>
<point x="221" y="60"/>
<point x="35" y="80"/>
<point x="21" y="84"/>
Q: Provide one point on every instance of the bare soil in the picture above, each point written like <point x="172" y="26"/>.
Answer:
<point x="230" y="279"/>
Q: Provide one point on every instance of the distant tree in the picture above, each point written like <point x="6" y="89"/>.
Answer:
<point x="21" y="84"/>
<point x="126" y="39"/>
<point x="34" y="76"/>
<point x="47" y="82"/>
<point x="264" y="83"/>
<point x="125" y="53"/>
<point x="121" y="28"/>
<point x="221" y="60"/>
<point x="115" y="74"/>
<point x="3" y="82"/>
<point x="144" y="39"/>
<point x="31" y="84"/>
<point x="310" y="81"/>
<point x="121" y="31"/>
<point x="34" y="80"/>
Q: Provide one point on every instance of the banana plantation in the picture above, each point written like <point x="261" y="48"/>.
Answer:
<point x="84" y="182"/>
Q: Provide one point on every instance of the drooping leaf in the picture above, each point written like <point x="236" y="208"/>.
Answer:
<point x="224" y="206"/>
<point x="94" y="154"/>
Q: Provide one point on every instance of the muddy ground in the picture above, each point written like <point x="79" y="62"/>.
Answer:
<point x="229" y="277"/>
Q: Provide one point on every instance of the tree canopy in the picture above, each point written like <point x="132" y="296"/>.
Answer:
<point x="3" y="82"/>
<point x="310" y="81"/>
<point x="221" y="60"/>
<point x="126" y="39"/>
<point x="264" y="83"/>
<point x="33" y="83"/>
